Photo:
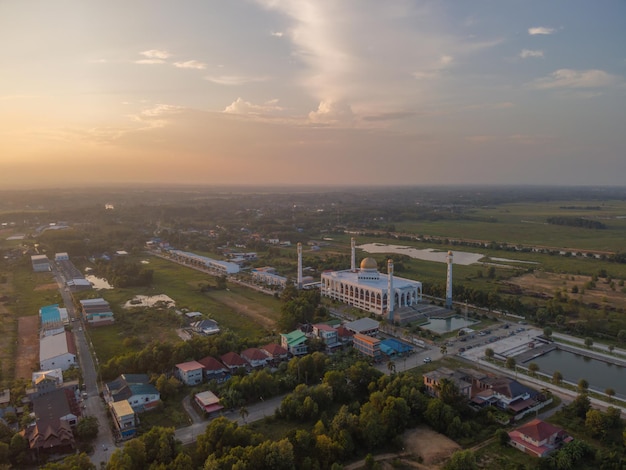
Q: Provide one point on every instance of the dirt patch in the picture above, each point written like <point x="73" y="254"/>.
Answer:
<point x="27" y="346"/>
<point x="259" y="313"/>
<point x="432" y="447"/>
<point x="545" y="285"/>
<point x="51" y="286"/>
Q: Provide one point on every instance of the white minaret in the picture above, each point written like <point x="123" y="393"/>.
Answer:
<point x="299" y="265"/>
<point x="353" y="255"/>
<point x="390" y="293"/>
<point x="449" y="281"/>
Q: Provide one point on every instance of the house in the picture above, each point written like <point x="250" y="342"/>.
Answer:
<point x="538" y="438"/>
<point x="61" y="257"/>
<point x="136" y="389"/>
<point x="233" y="361"/>
<point x="40" y="263"/>
<point x="328" y="335"/>
<point x="190" y="373"/>
<point x="214" y="370"/>
<point x="344" y="335"/>
<point x="205" y="327"/>
<point x="294" y="342"/>
<point x="97" y="312"/>
<point x="124" y="418"/>
<point x="506" y="393"/>
<point x="57" y="351"/>
<point x="433" y="379"/>
<point x="364" y="326"/>
<point x="275" y="352"/>
<point x="255" y="357"/>
<point x="208" y="402"/>
<point x="367" y="345"/>
<point x="56" y="414"/>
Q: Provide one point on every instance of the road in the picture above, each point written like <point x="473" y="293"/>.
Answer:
<point x="256" y="412"/>
<point x="93" y="405"/>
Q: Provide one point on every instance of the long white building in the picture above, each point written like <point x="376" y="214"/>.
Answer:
<point x="367" y="289"/>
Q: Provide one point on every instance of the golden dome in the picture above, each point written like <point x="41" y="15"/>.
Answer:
<point x="369" y="263"/>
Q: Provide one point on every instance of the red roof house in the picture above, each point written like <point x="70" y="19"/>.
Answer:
<point x="233" y="361"/>
<point x="538" y="438"/>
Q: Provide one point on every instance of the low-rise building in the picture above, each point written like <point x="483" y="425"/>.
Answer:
<point x="367" y="345"/>
<point x="538" y="438"/>
<point x="233" y="361"/>
<point x="134" y="388"/>
<point x="294" y="342"/>
<point x="40" y="263"/>
<point x="432" y="381"/>
<point x="124" y="418"/>
<point x="328" y="335"/>
<point x="208" y="402"/>
<point x="214" y="370"/>
<point x="190" y="373"/>
<point x="275" y="352"/>
<point x="364" y="326"/>
<point x="255" y="357"/>
<point x="205" y="327"/>
<point x="97" y="312"/>
<point x="57" y="351"/>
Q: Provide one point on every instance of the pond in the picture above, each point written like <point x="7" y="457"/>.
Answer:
<point x="445" y="325"/>
<point x="600" y="375"/>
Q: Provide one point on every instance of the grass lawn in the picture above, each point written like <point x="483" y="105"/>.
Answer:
<point x="170" y="414"/>
<point x="275" y="429"/>
<point x="494" y="455"/>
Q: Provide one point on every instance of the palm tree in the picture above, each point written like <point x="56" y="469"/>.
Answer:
<point x="243" y="412"/>
<point x="557" y="377"/>
<point x="510" y="363"/>
<point x="443" y="350"/>
<point x="391" y="367"/>
<point x="533" y="368"/>
<point x="610" y="393"/>
<point x="583" y="385"/>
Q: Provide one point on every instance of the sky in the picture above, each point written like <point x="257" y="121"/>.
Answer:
<point x="331" y="92"/>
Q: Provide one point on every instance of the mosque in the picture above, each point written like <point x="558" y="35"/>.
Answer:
<point x="367" y="289"/>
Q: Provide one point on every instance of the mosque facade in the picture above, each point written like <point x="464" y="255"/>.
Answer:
<point x="367" y="289"/>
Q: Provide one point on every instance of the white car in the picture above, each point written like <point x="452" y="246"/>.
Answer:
<point x="427" y="360"/>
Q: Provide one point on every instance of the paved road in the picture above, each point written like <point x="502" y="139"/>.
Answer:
<point x="93" y="405"/>
<point x="256" y="412"/>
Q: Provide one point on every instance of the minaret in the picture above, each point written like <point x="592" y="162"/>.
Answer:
<point x="390" y="293"/>
<point x="449" y="281"/>
<point x="353" y="255"/>
<point x="299" y="265"/>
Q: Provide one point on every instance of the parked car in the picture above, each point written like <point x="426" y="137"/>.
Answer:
<point x="427" y="359"/>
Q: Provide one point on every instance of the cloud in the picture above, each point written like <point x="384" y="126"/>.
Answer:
<point x="367" y="54"/>
<point x="390" y="116"/>
<point x="155" y="54"/>
<point x="149" y="61"/>
<point x="540" y="30"/>
<point x="232" y="80"/>
<point x="156" y="116"/>
<point x="190" y="64"/>
<point x="329" y="112"/>
<point x="527" y="53"/>
<point x="277" y="34"/>
<point x="239" y="106"/>
<point x="568" y="78"/>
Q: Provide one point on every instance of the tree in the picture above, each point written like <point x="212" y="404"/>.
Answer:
<point x="588" y="342"/>
<point x="489" y="353"/>
<point x="87" y="428"/>
<point x="611" y="348"/>
<point x="510" y="363"/>
<point x="462" y="460"/>
<point x="547" y="332"/>
<point x="557" y="377"/>
<point x="583" y="385"/>
<point x="443" y="350"/>
<point x="621" y="336"/>
<point x="610" y="392"/>
<point x="73" y="462"/>
<point x="503" y="437"/>
<point x="533" y="368"/>
<point x="595" y="423"/>
<point x="391" y="367"/>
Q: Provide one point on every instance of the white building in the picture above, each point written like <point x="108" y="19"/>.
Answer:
<point x="367" y="289"/>
<point x="57" y="352"/>
<point x="209" y="264"/>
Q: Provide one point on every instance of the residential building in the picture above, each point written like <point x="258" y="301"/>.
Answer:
<point x="40" y="263"/>
<point x="190" y="373"/>
<point x="205" y="327"/>
<point x="538" y="438"/>
<point x="208" y="402"/>
<point x="275" y="352"/>
<point x="328" y="335"/>
<point x="294" y="342"/>
<point x="433" y="379"/>
<point x="124" y="418"/>
<point x="214" y="370"/>
<point x="134" y="388"/>
<point x="255" y="357"/>
<point x="57" y="351"/>
<point x="367" y="345"/>
<point x="233" y="361"/>
<point x="51" y="322"/>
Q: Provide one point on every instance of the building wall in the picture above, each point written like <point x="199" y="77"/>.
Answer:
<point x="63" y="362"/>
